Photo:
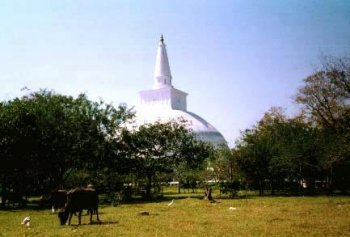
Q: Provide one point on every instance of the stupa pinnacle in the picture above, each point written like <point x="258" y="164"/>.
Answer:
<point x="162" y="74"/>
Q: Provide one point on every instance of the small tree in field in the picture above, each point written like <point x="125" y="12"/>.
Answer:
<point x="225" y="167"/>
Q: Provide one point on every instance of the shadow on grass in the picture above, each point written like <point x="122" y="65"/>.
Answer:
<point x="226" y="197"/>
<point x="167" y="199"/>
<point x="95" y="223"/>
<point x="168" y="196"/>
<point x="159" y="200"/>
<point x="21" y="208"/>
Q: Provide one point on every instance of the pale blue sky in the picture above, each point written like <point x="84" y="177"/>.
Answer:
<point x="236" y="59"/>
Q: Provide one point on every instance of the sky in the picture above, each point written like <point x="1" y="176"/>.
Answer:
<point x="235" y="58"/>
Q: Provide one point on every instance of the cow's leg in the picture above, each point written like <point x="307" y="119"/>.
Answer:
<point x="79" y="217"/>
<point x="91" y="211"/>
<point x="96" y="210"/>
<point x="70" y="215"/>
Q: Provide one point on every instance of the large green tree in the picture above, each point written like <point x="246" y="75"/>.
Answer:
<point x="160" y="148"/>
<point x="45" y="136"/>
<point x="325" y="98"/>
<point x="279" y="151"/>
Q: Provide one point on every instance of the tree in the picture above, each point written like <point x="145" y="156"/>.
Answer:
<point x="225" y="166"/>
<point x="325" y="98"/>
<point x="44" y="137"/>
<point x="280" y="151"/>
<point x="160" y="147"/>
<point x="254" y="152"/>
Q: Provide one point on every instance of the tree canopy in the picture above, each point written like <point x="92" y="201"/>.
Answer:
<point x="161" y="147"/>
<point x="308" y="150"/>
<point x="48" y="140"/>
<point x="325" y="98"/>
<point x="45" y="136"/>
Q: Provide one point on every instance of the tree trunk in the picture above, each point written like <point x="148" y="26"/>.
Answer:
<point x="207" y="194"/>
<point x="2" y="195"/>
<point x="231" y="172"/>
<point x="3" y="192"/>
<point x="261" y="188"/>
<point x="330" y="182"/>
<point x="148" y="187"/>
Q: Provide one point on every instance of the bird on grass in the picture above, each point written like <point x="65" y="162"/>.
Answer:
<point x="171" y="203"/>
<point x="26" y="221"/>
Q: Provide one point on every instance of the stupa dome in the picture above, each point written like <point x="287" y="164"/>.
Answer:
<point x="201" y="128"/>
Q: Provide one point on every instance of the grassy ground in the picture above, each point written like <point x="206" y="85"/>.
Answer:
<point x="191" y="216"/>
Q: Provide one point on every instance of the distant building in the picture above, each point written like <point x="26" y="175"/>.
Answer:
<point x="164" y="102"/>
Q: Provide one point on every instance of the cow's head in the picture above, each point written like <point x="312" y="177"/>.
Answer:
<point x="63" y="216"/>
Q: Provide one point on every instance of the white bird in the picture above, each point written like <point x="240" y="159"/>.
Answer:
<point x="26" y="221"/>
<point x="232" y="208"/>
<point x="171" y="203"/>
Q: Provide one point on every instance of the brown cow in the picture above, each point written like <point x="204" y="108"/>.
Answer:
<point x="77" y="200"/>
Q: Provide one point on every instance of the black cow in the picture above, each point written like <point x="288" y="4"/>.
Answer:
<point x="77" y="200"/>
<point x="58" y="199"/>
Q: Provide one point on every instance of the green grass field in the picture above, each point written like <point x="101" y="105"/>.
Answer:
<point x="256" y="216"/>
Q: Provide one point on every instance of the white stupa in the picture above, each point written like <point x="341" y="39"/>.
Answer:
<point x="165" y="103"/>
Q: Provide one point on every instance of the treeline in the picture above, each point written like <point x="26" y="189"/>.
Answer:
<point x="307" y="153"/>
<point x="50" y="141"/>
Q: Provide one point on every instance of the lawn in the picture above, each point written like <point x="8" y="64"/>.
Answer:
<point x="192" y="216"/>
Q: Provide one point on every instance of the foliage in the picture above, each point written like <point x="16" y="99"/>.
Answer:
<point x="325" y="95"/>
<point x="49" y="140"/>
<point x="45" y="136"/>
<point x="311" y="149"/>
<point x="224" y="166"/>
<point x="281" y="151"/>
<point x="160" y="148"/>
<point x="325" y="98"/>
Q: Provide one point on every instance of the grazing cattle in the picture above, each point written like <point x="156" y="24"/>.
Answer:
<point x="58" y="199"/>
<point x="77" y="200"/>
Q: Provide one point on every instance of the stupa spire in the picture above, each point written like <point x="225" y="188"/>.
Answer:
<point x="162" y="74"/>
